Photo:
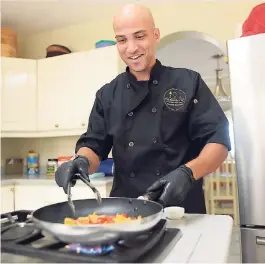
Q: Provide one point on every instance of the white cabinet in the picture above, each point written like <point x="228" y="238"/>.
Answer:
<point x="67" y="86"/>
<point x="33" y="196"/>
<point x="18" y="96"/>
<point x="7" y="199"/>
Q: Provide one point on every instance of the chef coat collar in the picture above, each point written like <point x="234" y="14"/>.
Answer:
<point x="154" y="75"/>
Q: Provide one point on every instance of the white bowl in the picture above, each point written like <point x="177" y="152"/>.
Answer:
<point x="174" y="212"/>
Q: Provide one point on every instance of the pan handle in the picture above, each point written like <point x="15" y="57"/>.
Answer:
<point x="152" y="196"/>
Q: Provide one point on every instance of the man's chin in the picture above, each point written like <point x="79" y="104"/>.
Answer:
<point x="137" y="68"/>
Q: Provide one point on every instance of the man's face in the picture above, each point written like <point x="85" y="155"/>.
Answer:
<point x="136" y="41"/>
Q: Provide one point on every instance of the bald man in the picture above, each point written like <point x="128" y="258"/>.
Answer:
<point x="164" y="126"/>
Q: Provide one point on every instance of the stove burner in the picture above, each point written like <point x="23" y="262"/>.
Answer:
<point x="17" y="232"/>
<point x="95" y="251"/>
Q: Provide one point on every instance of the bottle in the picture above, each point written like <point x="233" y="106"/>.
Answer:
<point x="32" y="163"/>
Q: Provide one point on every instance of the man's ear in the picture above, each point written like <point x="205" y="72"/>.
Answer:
<point x="157" y="35"/>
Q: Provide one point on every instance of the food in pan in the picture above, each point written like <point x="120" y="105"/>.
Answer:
<point x="100" y="219"/>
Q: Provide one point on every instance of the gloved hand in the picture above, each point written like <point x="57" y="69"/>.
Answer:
<point x="173" y="187"/>
<point x="66" y="172"/>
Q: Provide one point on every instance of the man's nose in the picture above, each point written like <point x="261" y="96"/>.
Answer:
<point x="132" y="47"/>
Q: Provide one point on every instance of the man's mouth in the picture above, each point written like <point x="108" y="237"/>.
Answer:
<point x="135" y="57"/>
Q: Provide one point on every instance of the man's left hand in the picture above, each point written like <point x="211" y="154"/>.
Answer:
<point x="173" y="187"/>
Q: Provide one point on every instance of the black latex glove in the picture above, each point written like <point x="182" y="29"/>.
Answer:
<point x="67" y="171"/>
<point x="172" y="188"/>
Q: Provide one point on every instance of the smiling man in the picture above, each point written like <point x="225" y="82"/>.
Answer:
<point x="164" y="126"/>
<point x="136" y="37"/>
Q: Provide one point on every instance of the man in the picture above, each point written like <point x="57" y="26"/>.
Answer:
<point x="164" y="126"/>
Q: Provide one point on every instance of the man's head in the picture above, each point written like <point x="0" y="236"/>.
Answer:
<point x="136" y="37"/>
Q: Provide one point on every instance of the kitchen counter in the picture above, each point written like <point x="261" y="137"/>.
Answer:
<point x="205" y="239"/>
<point x="45" y="180"/>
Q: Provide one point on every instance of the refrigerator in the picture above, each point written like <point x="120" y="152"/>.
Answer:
<point x="247" y="82"/>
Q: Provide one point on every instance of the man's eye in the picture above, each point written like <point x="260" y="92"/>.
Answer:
<point x="140" y="36"/>
<point x="121" y="40"/>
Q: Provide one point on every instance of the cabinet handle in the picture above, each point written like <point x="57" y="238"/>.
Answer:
<point x="12" y="189"/>
<point x="56" y="125"/>
<point x="83" y="124"/>
<point x="260" y="241"/>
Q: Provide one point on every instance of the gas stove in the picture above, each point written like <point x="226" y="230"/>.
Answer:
<point x="19" y="236"/>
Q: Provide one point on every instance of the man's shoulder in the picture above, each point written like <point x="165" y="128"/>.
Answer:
<point x="182" y="72"/>
<point x="109" y="89"/>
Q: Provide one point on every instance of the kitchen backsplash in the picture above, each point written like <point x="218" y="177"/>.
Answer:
<point x="46" y="147"/>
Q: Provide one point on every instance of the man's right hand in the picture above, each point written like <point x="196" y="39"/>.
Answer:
<point x="66" y="172"/>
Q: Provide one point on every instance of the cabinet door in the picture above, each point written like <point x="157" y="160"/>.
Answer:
<point x="33" y="196"/>
<point x="67" y="86"/>
<point x="7" y="199"/>
<point x="19" y="91"/>
<point x="95" y="68"/>
<point x="53" y="105"/>
<point x="82" y="191"/>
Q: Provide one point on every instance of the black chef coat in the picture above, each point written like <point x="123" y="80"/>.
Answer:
<point x="153" y="127"/>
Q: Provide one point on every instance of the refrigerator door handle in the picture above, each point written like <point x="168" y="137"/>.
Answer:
<point x="260" y="240"/>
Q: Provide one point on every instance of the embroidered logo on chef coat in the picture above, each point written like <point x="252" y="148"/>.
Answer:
<point x="174" y="99"/>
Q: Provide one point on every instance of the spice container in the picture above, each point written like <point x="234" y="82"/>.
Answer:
<point x="52" y="166"/>
<point x="62" y="159"/>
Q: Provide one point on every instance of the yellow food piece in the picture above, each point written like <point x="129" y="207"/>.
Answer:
<point x="100" y="219"/>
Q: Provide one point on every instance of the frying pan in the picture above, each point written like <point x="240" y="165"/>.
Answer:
<point x="51" y="219"/>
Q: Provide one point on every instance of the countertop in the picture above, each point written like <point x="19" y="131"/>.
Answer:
<point x="205" y="239"/>
<point x="43" y="179"/>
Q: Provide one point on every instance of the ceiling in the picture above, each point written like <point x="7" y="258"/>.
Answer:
<point x="30" y="16"/>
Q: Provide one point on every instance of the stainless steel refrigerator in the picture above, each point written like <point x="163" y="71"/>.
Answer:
<point x="247" y="81"/>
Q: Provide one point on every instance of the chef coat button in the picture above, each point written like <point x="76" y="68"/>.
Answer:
<point x="155" y="82"/>
<point x="128" y="85"/>
<point x="131" y="144"/>
<point x="195" y="101"/>
<point x="158" y="173"/>
<point x="154" y="110"/>
<point x="154" y="140"/>
<point x="132" y="174"/>
<point x="130" y="114"/>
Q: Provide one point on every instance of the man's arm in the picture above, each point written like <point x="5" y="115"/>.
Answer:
<point x="93" y="158"/>
<point x="210" y="127"/>
<point x="210" y="159"/>
<point x="96" y="143"/>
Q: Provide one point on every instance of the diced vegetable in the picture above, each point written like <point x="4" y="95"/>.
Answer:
<point x="99" y="219"/>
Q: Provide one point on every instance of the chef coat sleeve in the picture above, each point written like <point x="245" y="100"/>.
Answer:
<point x="207" y="123"/>
<point x="96" y="137"/>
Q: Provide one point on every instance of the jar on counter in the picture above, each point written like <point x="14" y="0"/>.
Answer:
<point x="52" y="166"/>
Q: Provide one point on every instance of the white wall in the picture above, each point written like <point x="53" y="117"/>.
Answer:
<point x="220" y="19"/>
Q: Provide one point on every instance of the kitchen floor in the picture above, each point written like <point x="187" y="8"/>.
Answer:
<point x="235" y="250"/>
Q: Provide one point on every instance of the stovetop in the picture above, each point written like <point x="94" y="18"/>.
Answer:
<point x="19" y="236"/>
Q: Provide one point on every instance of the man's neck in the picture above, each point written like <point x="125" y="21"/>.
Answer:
<point x="144" y="75"/>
